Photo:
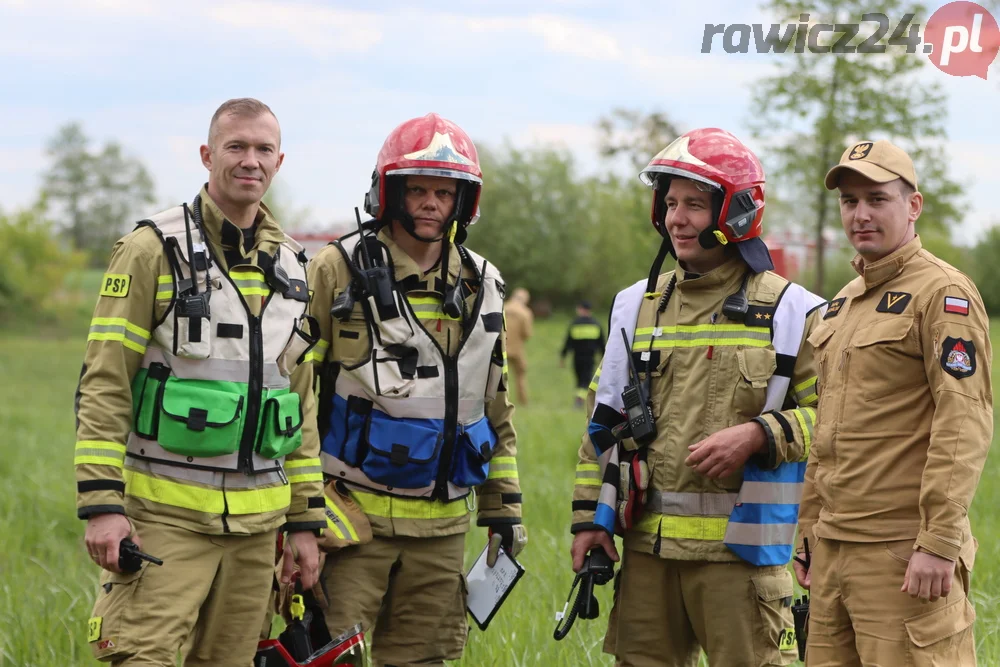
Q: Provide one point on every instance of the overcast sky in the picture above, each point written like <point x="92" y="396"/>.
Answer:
<point x="341" y="75"/>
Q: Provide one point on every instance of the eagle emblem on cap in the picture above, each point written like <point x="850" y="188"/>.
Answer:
<point x="860" y="151"/>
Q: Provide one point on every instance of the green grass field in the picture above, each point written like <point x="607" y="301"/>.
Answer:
<point x="47" y="582"/>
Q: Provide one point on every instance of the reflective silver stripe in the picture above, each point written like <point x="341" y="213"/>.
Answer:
<point x="208" y="478"/>
<point x="760" y="534"/>
<point x="501" y="467"/>
<point x="136" y="338"/>
<point x="753" y="333"/>
<point x="229" y="370"/>
<point x="780" y="493"/>
<point x="690" y="504"/>
<point x="593" y="474"/>
<point x="303" y="470"/>
<point x="150" y="449"/>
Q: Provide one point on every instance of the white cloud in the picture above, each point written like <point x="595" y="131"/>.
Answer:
<point x="321" y="30"/>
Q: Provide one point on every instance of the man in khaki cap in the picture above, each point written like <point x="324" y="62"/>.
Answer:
<point x="901" y="436"/>
<point x="520" y="322"/>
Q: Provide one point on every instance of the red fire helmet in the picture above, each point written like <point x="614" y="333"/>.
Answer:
<point x="428" y="146"/>
<point x="724" y="165"/>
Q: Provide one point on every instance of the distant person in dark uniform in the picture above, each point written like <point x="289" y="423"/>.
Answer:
<point x="585" y="338"/>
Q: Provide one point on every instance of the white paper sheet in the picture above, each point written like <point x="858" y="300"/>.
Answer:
<point x="488" y="586"/>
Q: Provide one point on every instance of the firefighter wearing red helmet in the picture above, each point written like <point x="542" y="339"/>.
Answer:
<point x="707" y="503"/>
<point x="414" y="418"/>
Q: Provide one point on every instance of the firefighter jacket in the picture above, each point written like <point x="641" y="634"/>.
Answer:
<point x="907" y="415"/>
<point x="708" y="373"/>
<point x="414" y="414"/>
<point x="584" y="338"/>
<point x="193" y="408"/>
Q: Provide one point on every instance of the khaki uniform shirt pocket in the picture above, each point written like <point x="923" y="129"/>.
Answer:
<point x="885" y="358"/>
<point x="755" y="366"/>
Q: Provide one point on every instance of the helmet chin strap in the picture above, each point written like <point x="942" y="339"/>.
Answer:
<point x="405" y="221"/>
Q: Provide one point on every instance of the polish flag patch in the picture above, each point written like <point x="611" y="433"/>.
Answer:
<point x="952" y="304"/>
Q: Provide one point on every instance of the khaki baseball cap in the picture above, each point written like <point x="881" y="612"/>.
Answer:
<point x="881" y="161"/>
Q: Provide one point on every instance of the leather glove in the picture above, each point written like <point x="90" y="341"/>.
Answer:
<point x="512" y="537"/>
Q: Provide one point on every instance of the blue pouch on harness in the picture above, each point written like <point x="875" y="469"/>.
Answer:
<point x="473" y="451"/>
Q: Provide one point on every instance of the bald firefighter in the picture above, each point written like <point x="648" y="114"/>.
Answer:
<point x="901" y="437"/>
<point x="195" y="420"/>
<point x="414" y="416"/>
<point x="703" y="482"/>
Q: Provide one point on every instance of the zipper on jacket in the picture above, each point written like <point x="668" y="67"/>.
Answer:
<point x="255" y="386"/>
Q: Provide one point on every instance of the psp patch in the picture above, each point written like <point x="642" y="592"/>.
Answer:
<point x="894" y="302"/>
<point x="834" y="308"/>
<point x="115" y="284"/>
<point x="786" y="640"/>
<point x="958" y="357"/>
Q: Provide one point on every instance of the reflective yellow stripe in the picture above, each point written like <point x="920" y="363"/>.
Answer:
<point x="119" y="321"/>
<point x="343" y="519"/>
<point x="165" y="287"/>
<point x="806" y="417"/>
<point x="120" y="330"/>
<point x="702" y="328"/>
<point x="587" y="481"/>
<point x="313" y="472"/>
<point x="707" y="528"/>
<point x="585" y="332"/>
<point x="407" y="508"/>
<point x="99" y="452"/>
<point x="588" y="467"/>
<point x="503" y="467"/>
<point x="332" y="525"/>
<point x="597" y="377"/>
<point x="698" y="342"/>
<point x="428" y="308"/>
<point x="214" y="501"/>
<point x="318" y="353"/>
<point x="504" y="369"/>
<point x="805" y="392"/>
<point x="255" y="275"/>
<point x="302" y="463"/>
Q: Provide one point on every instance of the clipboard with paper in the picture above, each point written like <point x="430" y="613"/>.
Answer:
<point x="489" y="586"/>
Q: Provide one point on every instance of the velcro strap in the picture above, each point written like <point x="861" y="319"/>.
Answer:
<point x="786" y="365"/>
<point x="316" y="502"/>
<point x="225" y="330"/>
<point x="427" y="371"/>
<point x="197" y="419"/>
<point x="511" y="498"/>
<point x="400" y="455"/>
<point x="346" y="333"/>
<point x="584" y="505"/>
<point x="100" y="485"/>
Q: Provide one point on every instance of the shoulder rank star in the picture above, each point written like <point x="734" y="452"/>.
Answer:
<point x="958" y="357"/>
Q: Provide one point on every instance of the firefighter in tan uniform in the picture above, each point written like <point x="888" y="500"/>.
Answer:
<point x="901" y="437"/>
<point x="708" y="507"/>
<point x="520" y="326"/>
<point x="196" y="430"/>
<point x="414" y="417"/>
